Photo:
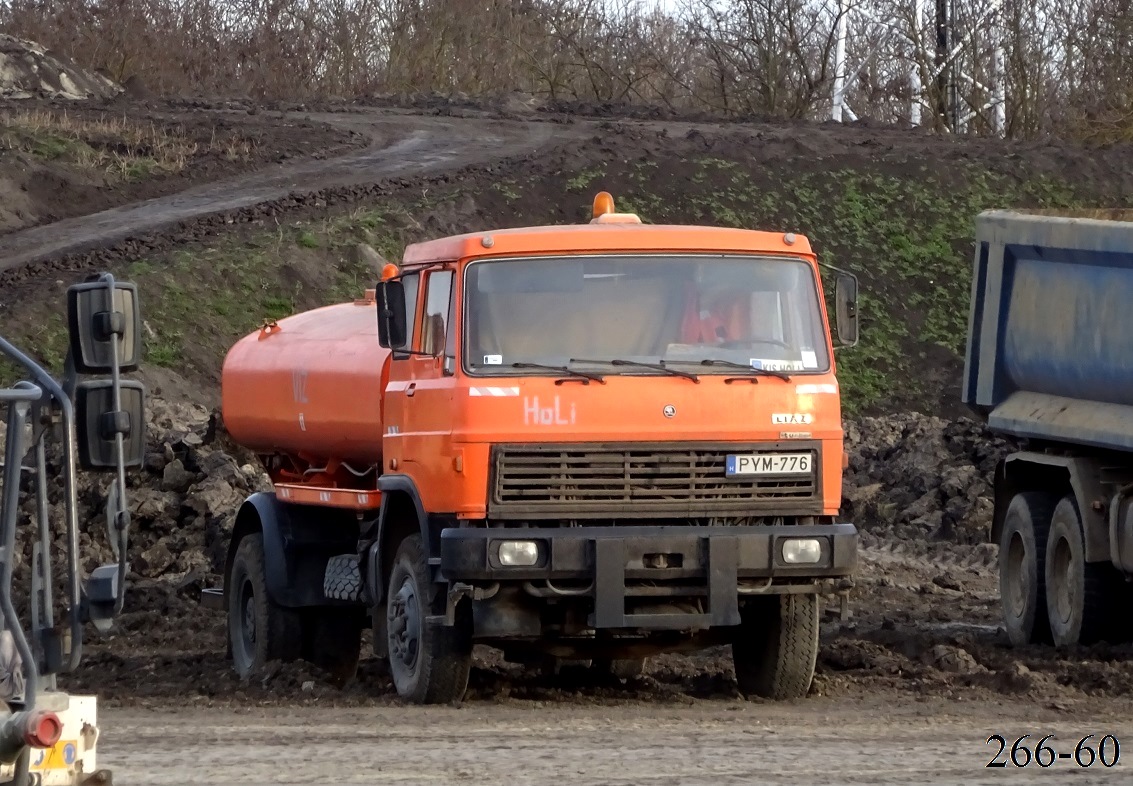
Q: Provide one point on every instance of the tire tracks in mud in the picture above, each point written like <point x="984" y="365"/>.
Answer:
<point x="403" y="147"/>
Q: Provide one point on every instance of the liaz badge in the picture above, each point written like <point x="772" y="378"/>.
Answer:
<point x="792" y="418"/>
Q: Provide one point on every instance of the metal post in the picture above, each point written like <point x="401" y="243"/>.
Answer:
<point x="999" y="84"/>
<point x="841" y="31"/>
<point x="20" y="399"/>
<point x="916" y="89"/>
<point x="70" y="493"/>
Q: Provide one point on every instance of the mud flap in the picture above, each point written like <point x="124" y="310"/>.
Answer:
<point x="610" y="589"/>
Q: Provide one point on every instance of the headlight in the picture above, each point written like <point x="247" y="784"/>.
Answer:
<point x="519" y="553"/>
<point x="802" y="551"/>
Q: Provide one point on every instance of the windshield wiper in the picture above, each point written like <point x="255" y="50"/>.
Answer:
<point x="656" y="366"/>
<point x="754" y="369"/>
<point x="562" y="369"/>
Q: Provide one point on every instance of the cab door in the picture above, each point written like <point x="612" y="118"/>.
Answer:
<point x="396" y="401"/>
<point x="428" y="420"/>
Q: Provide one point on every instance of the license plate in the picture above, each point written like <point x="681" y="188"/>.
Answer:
<point x="768" y="464"/>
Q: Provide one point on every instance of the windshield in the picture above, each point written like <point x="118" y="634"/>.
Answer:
<point x="585" y="312"/>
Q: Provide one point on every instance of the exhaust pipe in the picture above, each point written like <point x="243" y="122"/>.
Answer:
<point x="34" y="729"/>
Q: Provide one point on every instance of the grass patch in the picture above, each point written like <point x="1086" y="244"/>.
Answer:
<point x="121" y="148"/>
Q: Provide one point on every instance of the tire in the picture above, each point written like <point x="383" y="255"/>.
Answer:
<point x="1022" y="561"/>
<point x="429" y="665"/>
<point x="342" y="579"/>
<point x="1077" y="591"/>
<point x="334" y="641"/>
<point x="259" y="630"/>
<point x="777" y="647"/>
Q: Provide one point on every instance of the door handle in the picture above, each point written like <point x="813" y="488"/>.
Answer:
<point x="410" y="388"/>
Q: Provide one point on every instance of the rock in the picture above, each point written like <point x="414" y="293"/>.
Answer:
<point x="214" y="497"/>
<point x="155" y="462"/>
<point x="1016" y="678"/>
<point x="176" y="478"/>
<point x="308" y="686"/>
<point x="154" y="561"/>
<point x="954" y="660"/>
<point x="947" y="581"/>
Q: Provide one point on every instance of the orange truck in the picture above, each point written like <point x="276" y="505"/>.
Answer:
<point x="590" y="442"/>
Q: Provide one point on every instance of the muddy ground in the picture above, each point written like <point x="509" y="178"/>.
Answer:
<point x="923" y="618"/>
<point x="822" y="740"/>
<point x="908" y="688"/>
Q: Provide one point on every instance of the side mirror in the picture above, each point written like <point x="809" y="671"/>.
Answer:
<point x="390" y="296"/>
<point x="846" y="308"/>
<point x="98" y="314"/>
<point x="97" y="422"/>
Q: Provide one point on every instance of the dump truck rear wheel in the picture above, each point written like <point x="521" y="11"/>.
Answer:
<point x="428" y="664"/>
<point x="777" y="646"/>
<point x="1022" y="568"/>
<point x="1076" y="589"/>
<point x="259" y="630"/>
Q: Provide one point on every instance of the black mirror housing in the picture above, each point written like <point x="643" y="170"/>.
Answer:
<point x="846" y="308"/>
<point x="96" y="318"/>
<point x="97" y="422"/>
<point x="390" y="298"/>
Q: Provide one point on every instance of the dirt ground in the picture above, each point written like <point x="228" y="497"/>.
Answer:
<point x="907" y="689"/>
<point x="873" y="741"/>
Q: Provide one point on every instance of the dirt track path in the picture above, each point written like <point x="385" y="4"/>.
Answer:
<point x="816" y="741"/>
<point x="403" y="145"/>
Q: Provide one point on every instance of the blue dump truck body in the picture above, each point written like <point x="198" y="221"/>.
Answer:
<point x="1050" y="362"/>
<point x="1050" y="340"/>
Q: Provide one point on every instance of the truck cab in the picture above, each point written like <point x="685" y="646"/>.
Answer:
<point x="624" y="438"/>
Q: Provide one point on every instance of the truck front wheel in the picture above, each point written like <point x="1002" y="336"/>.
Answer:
<point x="1022" y="564"/>
<point x="429" y="665"/>
<point x="259" y="630"/>
<point x="776" y="647"/>
<point x="1076" y="589"/>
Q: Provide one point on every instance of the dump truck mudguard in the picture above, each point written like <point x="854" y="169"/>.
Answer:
<point x="298" y="542"/>
<point x="614" y="557"/>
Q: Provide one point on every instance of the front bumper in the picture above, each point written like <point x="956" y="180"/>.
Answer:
<point x="616" y="561"/>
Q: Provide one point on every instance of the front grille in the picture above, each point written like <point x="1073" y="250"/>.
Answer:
<point x="635" y="481"/>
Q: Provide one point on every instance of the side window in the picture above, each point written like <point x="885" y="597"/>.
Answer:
<point x="412" y="283"/>
<point x="434" y="326"/>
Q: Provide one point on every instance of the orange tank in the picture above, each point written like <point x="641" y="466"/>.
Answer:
<point x="310" y="386"/>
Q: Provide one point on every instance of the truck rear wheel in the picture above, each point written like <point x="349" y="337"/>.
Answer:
<point x="259" y="630"/>
<point x="1022" y="565"/>
<point x="777" y="646"/>
<point x="1076" y="589"/>
<point x="429" y="665"/>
